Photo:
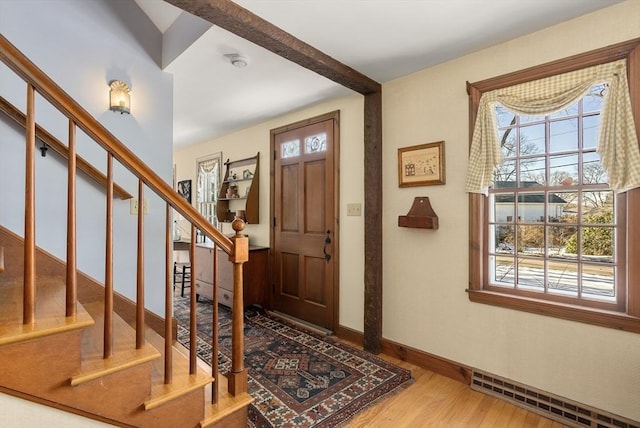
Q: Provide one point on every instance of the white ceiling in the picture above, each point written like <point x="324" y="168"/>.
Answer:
<point x="382" y="39"/>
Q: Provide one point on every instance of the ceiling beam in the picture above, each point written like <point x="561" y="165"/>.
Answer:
<point x="241" y="22"/>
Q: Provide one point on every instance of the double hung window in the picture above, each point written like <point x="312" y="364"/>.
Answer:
<point x="553" y="180"/>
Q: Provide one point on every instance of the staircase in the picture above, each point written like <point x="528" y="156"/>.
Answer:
<point x="62" y="343"/>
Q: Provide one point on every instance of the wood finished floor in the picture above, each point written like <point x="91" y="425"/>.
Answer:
<point x="437" y="401"/>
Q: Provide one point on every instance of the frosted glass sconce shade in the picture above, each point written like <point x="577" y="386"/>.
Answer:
<point x="119" y="97"/>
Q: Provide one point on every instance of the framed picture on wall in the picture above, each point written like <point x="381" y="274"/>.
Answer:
<point x="421" y="165"/>
<point x="184" y="189"/>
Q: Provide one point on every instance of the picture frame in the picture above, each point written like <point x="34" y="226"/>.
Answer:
<point x="184" y="189"/>
<point x="421" y="165"/>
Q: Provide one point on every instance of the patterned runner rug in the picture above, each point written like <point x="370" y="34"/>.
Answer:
<point x="297" y="378"/>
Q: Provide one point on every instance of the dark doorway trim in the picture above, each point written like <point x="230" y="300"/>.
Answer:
<point x="243" y="23"/>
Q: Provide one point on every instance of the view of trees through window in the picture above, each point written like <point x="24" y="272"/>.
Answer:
<point x="552" y="215"/>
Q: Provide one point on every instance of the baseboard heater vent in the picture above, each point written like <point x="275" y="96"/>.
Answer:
<point x="548" y="405"/>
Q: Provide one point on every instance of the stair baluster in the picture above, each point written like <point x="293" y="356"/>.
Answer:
<point x="140" y="269"/>
<point x="193" y="297"/>
<point x="72" y="275"/>
<point x="108" y="268"/>
<point x="168" y="300"/>
<point x="29" y="299"/>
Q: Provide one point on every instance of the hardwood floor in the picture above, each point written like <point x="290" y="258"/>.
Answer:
<point x="437" y="401"/>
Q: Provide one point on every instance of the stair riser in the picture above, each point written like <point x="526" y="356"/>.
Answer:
<point x="43" y="368"/>
<point x="40" y="366"/>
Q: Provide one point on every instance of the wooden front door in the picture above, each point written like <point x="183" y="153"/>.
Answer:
<point x="305" y="220"/>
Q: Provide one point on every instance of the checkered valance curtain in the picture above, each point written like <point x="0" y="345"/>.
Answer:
<point x="617" y="140"/>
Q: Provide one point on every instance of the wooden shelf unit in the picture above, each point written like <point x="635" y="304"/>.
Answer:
<point x="249" y="201"/>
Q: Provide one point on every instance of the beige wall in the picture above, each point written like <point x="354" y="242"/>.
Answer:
<point x="425" y="271"/>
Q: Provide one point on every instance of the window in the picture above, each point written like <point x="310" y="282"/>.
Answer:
<point x="550" y="235"/>
<point x="208" y="183"/>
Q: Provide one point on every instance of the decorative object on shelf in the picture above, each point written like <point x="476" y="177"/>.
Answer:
<point x="421" y="215"/>
<point x="176" y="231"/>
<point x="119" y="97"/>
<point x="241" y="215"/>
<point x="421" y="165"/>
<point x="232" y="191"/>
<point x="184" y="189"/>
<point x="240" y="189"/>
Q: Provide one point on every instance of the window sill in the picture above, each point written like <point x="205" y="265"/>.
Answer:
<point x="598" y="317"/>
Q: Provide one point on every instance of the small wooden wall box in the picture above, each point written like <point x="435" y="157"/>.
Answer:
<point x="421" y="215"/>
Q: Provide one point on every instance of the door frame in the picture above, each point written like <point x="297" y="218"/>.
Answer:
<point x="335" y="116"/>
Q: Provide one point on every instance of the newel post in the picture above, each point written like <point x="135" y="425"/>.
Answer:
<point x="240" y="254"/>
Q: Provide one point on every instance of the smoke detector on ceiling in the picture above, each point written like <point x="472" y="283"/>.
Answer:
<point x="238" y="60"/>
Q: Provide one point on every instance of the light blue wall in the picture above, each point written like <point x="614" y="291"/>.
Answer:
<point x="82" y="45"/>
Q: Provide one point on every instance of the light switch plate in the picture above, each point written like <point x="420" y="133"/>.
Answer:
<point x="354" y="209"/>
<point x="133" y="206"/>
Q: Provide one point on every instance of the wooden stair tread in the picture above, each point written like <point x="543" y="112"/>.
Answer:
<point x="227" y="405"/>
<point x="182" y="381"/>
<point x="124" y="353"/>
<point x="163" y="393"/>
<point x="50" y="312"/>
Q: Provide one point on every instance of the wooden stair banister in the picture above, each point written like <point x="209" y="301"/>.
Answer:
<point x="236" y="247"/>
<point x="56" y="145"/>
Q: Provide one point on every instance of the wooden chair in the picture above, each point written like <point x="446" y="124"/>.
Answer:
<point x="181" y="274"/>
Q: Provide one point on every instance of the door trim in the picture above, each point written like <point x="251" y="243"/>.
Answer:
<point x="335" y="116"/>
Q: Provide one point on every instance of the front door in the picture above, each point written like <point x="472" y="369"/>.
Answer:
<point x="305" y="220"/>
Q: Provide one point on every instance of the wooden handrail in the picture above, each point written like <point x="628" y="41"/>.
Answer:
<point x="49" y="90"/>
<point x="57" y="146"/>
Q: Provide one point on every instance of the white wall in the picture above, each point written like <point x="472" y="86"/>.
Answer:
<point x="426" y="272"/>
<point x="82" y="45"/>
<point x="19" y="413"/>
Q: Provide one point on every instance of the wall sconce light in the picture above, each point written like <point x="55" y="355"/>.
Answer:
<point x="119" y="97"/>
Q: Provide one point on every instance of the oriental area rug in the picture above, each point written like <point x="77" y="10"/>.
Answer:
<point x="297" y="378"/>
